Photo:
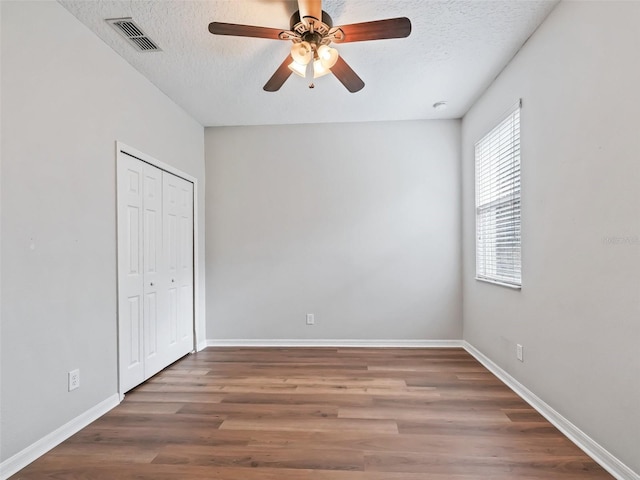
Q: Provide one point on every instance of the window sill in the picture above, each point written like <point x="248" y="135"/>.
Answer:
<point x="501" y="284"/>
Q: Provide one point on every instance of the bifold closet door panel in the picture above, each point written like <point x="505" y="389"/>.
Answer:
<point x="130" y="272"/>
<point x="185" y="269"/>
<point x="155" y="327"/>
<point x="178" y="241"/>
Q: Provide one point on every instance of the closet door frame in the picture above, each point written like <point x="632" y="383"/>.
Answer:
<point x="122" y="151"/>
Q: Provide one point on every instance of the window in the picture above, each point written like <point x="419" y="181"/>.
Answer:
<point x="497" y="157"/>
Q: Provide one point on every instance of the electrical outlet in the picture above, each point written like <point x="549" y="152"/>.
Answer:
<point x="74" y="379"/>
<point x="311" y="319"/>
<point x="519" y="352"/>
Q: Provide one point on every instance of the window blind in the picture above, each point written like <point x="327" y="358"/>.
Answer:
<point x="497" y="156"/>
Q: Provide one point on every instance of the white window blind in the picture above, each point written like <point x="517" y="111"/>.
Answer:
<point x="497" y="155"/>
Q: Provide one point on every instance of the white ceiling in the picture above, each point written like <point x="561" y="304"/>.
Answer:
<point x="456" y="48"/>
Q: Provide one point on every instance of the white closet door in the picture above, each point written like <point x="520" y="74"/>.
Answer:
<point x="130" y="272"/>
<point x="155" y="274"/>
<point x="178" y="241"/>
<point x="155" y="270"/>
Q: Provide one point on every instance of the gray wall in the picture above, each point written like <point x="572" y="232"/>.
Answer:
<point x="578" y="314"/>
<point x="66" y="99"/>
<point x="356" y="223"/>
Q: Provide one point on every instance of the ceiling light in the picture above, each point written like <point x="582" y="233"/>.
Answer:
<point x="319" y="69"/>
<point x="328" y="56"/>
<point x="298" y="69"/>
<point x="440" y="106"/>
<point x="302" y="52"/>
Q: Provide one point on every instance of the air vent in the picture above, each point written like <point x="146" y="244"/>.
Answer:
<point x="133" y="34"/>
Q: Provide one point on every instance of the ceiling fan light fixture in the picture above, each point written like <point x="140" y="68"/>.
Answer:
<point x="302" y="53"/>
<point x="298" y="68"/>
<point x="328" y="56"/>
<point x="319" y="70"/>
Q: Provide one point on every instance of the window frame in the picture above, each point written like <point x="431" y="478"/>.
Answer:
<point x="489" y="202"/>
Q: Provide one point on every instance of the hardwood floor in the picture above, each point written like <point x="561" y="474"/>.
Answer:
<point x="319" y="414"/>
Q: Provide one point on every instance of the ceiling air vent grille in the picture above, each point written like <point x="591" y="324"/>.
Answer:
<point x="133" y="34"/>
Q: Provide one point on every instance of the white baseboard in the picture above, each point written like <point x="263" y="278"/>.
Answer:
<point x="609" y="462"/>
<point x="23" y="458"/>
<point x="335" y="343"/>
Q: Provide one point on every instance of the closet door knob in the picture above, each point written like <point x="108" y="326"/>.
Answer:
<point x="151" y="284"/>
<point x="173" y="280"/>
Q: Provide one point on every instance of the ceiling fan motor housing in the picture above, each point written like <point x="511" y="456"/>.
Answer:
<point x="314" y="33"/>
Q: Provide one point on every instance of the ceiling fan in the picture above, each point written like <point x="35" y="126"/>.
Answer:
<point x="312" y="31"/>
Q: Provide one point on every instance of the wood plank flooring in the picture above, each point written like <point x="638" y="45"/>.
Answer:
<point x="319" y="414"/>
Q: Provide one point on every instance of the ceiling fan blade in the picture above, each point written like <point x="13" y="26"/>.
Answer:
<point x="376" y="30"/>
<point x="279" y="77"/>
<point x="347" y="76"/>
<point x="219" y="28"/>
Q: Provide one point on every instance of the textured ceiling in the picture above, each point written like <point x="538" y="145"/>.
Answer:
<point x="456" y="48"/>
